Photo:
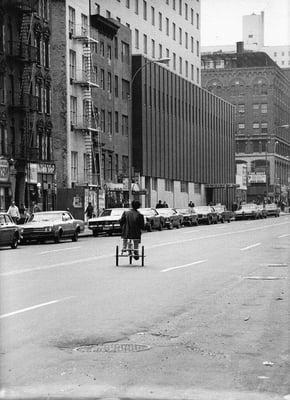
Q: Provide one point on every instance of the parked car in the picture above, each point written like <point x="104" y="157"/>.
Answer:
<point x="51" y="225"/>
<point x="189" y="216"/>
<point x="152" y="219"/>
<point x="262" y="211"/>
<point x="171" y="217"/>
<point x="272" y="209"/>
<point x="206" y="214"/>
<point x="108" y="222"/>
<point x="10" y="233"/>
<point x="247" y="211"/>
<point x="223" y="213"/>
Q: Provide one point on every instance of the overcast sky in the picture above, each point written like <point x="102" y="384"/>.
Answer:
<point x="221" y="20"/>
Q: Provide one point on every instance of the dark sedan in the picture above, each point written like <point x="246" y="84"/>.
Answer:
<point x="171" y="217"/>
<point x="52" y="225"/>
<point x="206" y="215"/>
<point x="10" y="233"/>
<point x="153" y="220"/>
<point x="108" y="222"/>
<point x="189" y="216"/>
<point x="224" y="215"/>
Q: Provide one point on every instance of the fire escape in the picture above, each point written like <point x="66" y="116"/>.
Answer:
<point x="21" y="57"/>
<point x="88" y="122"/>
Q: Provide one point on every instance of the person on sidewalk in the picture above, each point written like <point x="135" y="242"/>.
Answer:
<point x="13" y="211"/>
<point x="132" y="223"/>
<point x="89" y="211"/>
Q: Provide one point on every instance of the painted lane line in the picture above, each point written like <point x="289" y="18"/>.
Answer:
<point x="183" y="266"/>
<point x="243" y="230"/>
<point x="63" y="264"/>
<point x="251" y="246"/>
<point x="282" y="236"/>
<point x="34" y="307"/>
<point x="63" y="249"/>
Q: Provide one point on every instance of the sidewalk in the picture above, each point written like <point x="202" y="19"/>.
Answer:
<point x="87" y="232"/>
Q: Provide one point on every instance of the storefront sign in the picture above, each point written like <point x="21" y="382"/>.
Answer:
<point x="31" y="173"/>
<point x="4" y="170"/>
<point x="77" y="201"/>
<point x="257" y="178"/>
<point x="46" y="168"/>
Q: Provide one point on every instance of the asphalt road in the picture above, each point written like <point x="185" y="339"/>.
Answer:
<point x="210" y="310"/>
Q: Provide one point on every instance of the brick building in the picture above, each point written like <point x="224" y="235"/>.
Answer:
<point x="183" y="139"/>
<point x="27" y="166"/>
<point x="91" y="68"/>
<point x="260" y="90"/>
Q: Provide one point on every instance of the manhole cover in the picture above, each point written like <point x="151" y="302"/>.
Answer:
<point x="113" y="348"/>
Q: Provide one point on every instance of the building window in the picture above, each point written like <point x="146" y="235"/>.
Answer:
<point x="2" y="89"/>
<point x="153" y="48"/>
<point x="102" y="82"/>
<point x="97" y="8"/>
<point x="109" y="82"/>
<point x="125" y="53"/>
<point x="192" y="72"/>
<point x="3" y="140"/>
<point x="197" y="21"/>
<point x="173" y="31"/>
<point x="168" y="185"/>
<point x="102" y="121"/>
<point x="197" y="75"/>
<point x="186" y="11"/>
<point x="197" y="48"/>
<point x="197" y="188"/>
<point x="160" y="21"/>
<point x="153" y="16"/>
<point x="241" y="128"/>
<point x="38" y="94"/>
<point x="116" y="86"/>
<point x="116" y="122"/>
<point x="180" y="65"/>
<point x="184" y="187"/>
<point x="74" y="166"/>
<point x="124" y="125"/>
<point x="241" y="108"/>
<point x="167" y="53"/>
<point x="102" y="49"/>
<point x="128" y="3"/>
<point x="125" y="165"/>
<point x="145" y="10"/>
<point x="72" y="64"/>
<point x="137" y="7"/>
<point x="84" y="27"/>
<point x="86" y="159"/>
<point x="160" y="51"/>
<point x="174" y="61"/>
<point x="180" y="36"/>
<point x="47" y="94"/>
<point x="192" y="44"/>
<point x="275" y="54"/>
<point x="186" y="40"/>
<point x="108" y="14"/>
<point x="125" y="89"/>
<point x="167" y="26"/>
<point x="136" y="39"/>
<point x="110" y="123"/>
<point x="264" y="127"/>
<point x="71" y="20"/>
<point x="154" y="184"/>
<point x="73" y="110"/>
<point x="186" y="69"/>
<point x="256" y="125"/>
<point x="256" y="106"/>
<point x="180" y="7"/>
<point x="46" y="57"/>
<point x="109" y="54"/>
<point x="116" y="47"/>
<point x="191" y="16"/>
<point x="174" y="4"/>
<point x="264" y="108"/>
<point x="145" y="47"/>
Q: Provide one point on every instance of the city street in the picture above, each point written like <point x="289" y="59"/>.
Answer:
<point x="209" y="309"/>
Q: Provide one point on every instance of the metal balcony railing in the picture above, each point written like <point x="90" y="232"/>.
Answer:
<point x="23" y="102"/>
<point x="83" y="77"/>
<point x="21" y="51"/>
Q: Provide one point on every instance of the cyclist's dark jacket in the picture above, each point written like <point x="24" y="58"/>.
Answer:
<point x="132" y="222"/>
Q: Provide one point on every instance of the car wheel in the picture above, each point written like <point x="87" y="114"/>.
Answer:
<point x="222" y="220"/>
<point x="95" y="233"/>
<point x="209" y="221"/>
<point x="14" y="242"/>
<point x="75" y="236"/>
<point x="57" y="237"/>
<point x="149" y="228"/>
<point x="178" y="225"/>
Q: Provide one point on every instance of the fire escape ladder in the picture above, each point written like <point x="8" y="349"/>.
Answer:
<point x="97" y="146"/>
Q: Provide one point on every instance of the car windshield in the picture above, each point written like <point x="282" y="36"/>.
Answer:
<point x="113" y="212"/>
<point x="146" y="211"/>
<point x="165" y="211"/>
<point x="202" y="209"/>
<point x="183" y="210"/>
<point x="248" y="206"/>
<point x="47" y="217"/>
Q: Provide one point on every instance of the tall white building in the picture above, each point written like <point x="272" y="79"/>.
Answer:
<point x="163" y="28"/>
<point x="253" y="30"/>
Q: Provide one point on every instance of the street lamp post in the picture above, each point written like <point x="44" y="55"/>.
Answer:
<point x="130" y="131"/>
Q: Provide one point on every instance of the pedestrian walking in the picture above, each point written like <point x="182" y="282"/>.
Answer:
<point x="89" y="210"/>
<point x="165" y="205"/>
<point x="23" y="214"/>
<point x="132" y="223"/>
<point x="191" y="204"/>
<point x="159" y="204"/>
<point x="13" y="211"/>
<point x="35" y="207"/>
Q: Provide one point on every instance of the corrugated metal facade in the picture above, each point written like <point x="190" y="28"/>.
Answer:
<point x="180" y="131"/>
